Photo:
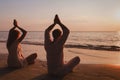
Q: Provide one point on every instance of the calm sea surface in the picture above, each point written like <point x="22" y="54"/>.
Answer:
<point x="75" y="38"/>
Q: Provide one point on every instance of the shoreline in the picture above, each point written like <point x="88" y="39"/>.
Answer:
<point x="87" y="56"/>
<point x="80" y="46"/>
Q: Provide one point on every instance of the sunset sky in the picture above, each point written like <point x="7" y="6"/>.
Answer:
<point x="77" y="15"/>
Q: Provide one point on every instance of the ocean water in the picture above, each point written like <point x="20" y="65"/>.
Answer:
<point x="90" y="40"/>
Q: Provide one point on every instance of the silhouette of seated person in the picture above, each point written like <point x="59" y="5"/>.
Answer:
<point x="15" y="56"/>
<point x="54" y="50"/>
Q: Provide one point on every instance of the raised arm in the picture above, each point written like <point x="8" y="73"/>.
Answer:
<point x="14" y="21"/>
<point x="10" y="31"/>
<point x="24" y="32"/>
<point x="64" y="29"/>
<point x="47" y="33"/>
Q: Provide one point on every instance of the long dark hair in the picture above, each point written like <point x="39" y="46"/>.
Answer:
<point x="13" y="35"/>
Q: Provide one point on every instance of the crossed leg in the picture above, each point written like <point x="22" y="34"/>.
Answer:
<point x="31" y="58"/>
<point x="67" y="68"/>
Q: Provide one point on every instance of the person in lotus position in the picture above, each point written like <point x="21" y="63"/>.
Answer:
<point x="54" y="50"/>
<point x="15" y="56"/>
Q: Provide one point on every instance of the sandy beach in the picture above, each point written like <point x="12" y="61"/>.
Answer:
<point x="87" y="56"/>
<point x="95" y="65"/>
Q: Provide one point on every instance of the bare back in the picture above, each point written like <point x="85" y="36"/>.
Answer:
<point x="15" y="57"/>
<point x="54" y="55"/>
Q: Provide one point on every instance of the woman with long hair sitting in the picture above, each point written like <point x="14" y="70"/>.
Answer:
<point x="15" y="57"/>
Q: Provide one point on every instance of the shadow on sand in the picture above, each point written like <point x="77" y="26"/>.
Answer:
<point x="5" y="70"/>
<point x="47" y="77"/>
